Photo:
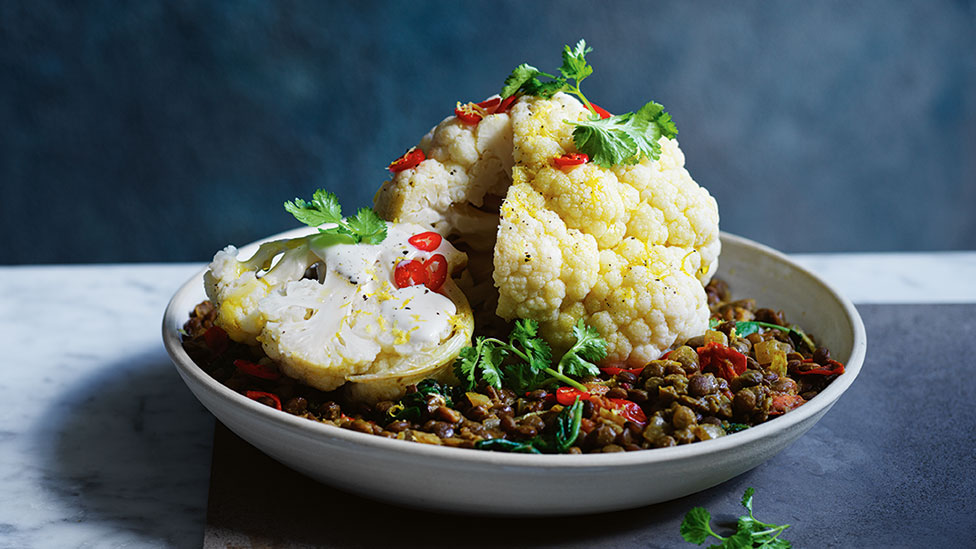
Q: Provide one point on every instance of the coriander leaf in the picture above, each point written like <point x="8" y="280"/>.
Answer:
<point x="574" y="64"/>
<point x="368" y="226"/>
<point x="608" y="141"/>
<point x="695" y="526"/>
<point x="526" y="334"/>
<point x="491" y="358"/>
<point x="521" y="378"/>
<point x="465" y="366"/>
<point x="742" y="539"/>
<point x="324" y="208"/>
<point x="590" y="347"/>
<point x="747" y="499"/>
<point x="521" y="76"/>
<point x="365" y="226"/>
<point x="655" y="115"/>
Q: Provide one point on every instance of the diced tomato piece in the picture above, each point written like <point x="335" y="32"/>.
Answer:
<point x="409" y="273"/>
<point x="427" y="242"/>
<point x="436" y="271"/>
<point x="721" y="360"/>
<point x="410" y="159"/>
<point x="630" y="410"/>
<point x="784" y="403"/>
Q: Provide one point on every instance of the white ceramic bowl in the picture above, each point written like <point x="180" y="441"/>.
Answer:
<point x="472" y="481"/>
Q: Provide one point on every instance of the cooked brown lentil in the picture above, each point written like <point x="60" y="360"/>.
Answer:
<point x="682" y="404"/>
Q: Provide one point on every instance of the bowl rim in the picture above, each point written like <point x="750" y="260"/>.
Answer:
<point x="178" y="308"/>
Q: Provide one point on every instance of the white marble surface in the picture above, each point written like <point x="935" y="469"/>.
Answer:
<point x="101" y="444"/>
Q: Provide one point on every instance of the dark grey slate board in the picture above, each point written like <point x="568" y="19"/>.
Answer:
<point x="893" y="464"/>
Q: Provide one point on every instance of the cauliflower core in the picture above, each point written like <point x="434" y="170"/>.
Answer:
<point x="627" y="249"/>
<point x="333" y="314"/>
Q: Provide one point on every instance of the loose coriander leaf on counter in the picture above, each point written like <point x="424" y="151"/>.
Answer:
<point x="750" y="532"/>
<point x="696" y="527"/>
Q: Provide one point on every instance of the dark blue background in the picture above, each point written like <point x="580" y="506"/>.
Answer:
<point x="161" y="131"/>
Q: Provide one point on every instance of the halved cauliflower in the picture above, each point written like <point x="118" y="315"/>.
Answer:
<point x="627" y="248"/>
<point x="373" y="317"/>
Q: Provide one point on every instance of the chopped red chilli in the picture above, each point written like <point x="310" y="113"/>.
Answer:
<point x="601" y="111"/>
<point x="409" y="273"/>
<point x="258" y="395"/>
<point x="410" y="159"/>
<point x="570" y="160"/>
<point x="436" y="269"/>
<point x="253" y="369"/>
<point x="613" y="370"/>
<point x="427" y="242"/>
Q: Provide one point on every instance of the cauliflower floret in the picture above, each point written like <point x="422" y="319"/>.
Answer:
<point x="655" y="229"/>
<point x="628" y="249"/>
<point x="336" y="314"/>
<point x="237" y="287"/>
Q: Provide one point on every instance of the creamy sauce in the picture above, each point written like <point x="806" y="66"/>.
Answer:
<point x="360" y="293"/>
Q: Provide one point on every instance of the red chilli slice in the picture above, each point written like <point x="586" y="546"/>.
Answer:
<point x="436" y="271"/>
<point x="469" y="113"/>
<point x="505" y="104"/>
<point x="258" y="395"/>
<point x="601" y="111"/>
<point x="427" y="242"/>
<point x="570" y="160"/>
<point x="410" y="159"/>
<point x="253" y="369"/>
<point x="409" y="273"/>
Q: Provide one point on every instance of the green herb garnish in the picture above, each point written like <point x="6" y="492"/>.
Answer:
<point x="524" y="362"/>
<point x="365" y="226"/>
<point x="620" y="139"/>
<point x="750" y="532"/>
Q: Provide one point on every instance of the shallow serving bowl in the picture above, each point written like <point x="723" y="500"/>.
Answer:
<point x="473" y="481"/>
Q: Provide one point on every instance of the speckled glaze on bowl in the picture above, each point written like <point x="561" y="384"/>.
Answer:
<point x="472" y="481"/>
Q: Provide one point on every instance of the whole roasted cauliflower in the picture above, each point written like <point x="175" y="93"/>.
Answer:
<point x="627" y="247"/>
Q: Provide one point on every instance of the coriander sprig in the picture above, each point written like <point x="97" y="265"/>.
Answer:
<point x="750" y="532"/>
<point x="365" y="226"/>
<point x="620" y="139"/>
<point x="531" y="364"/>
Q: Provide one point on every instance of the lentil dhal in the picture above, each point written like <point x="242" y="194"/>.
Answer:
<point x="751" y="366"/>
